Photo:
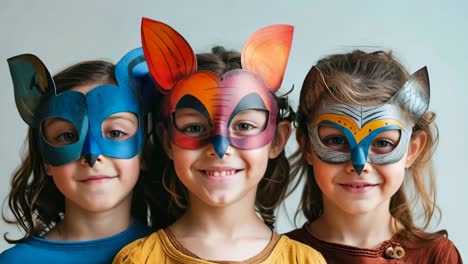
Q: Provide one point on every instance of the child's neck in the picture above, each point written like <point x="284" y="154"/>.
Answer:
<point x="232" y="232"/>
<point x="366" y="230"/>
<point x="79" y="224"/>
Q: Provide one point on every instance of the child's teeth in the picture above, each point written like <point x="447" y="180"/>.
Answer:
<point x="220" y="173"/>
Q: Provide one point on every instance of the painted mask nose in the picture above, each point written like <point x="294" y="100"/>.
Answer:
<point x="358" y="168"/>
<point x="91" y="150"/>
<point x="220" y="145"/>
<point x="358" y="158"/>
<point x="91" y="159"/>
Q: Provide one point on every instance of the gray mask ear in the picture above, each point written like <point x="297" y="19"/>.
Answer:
<point x="31" y="80"/>
<point x="414" y="96"/>
<point x="313" y="88"/>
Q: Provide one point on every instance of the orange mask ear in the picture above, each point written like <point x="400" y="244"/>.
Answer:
<point x="266" y="54"/>
<point x="169" y="56"/>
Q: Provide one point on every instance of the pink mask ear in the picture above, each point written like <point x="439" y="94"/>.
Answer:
<point x="169" y="56"/>
<point x="266" y="54"/>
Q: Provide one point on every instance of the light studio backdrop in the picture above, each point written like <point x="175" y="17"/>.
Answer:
<point x="432" y="33"/>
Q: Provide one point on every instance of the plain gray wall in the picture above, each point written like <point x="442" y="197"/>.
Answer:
<point x="432" y="33"/>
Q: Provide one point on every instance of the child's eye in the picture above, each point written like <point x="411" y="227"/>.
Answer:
<point x="242" y="129"/>
<point x="385" y="142"/>
<point x="191" y="123"/>
<point x="65" y="138"/>
<point x="120" y="126"/>
<point x="338" y="143"/>
<point x="382" y="146"/>
<point x="194" y="130"/>
<point x="244" y="126"/>
<point x="249" y="122"/>
<point x="116" y="134"/>
<point x="333" y="138"/>
<point x="59" y="132"/>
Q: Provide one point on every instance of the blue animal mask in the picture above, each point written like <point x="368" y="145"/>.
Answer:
<point x="361" y="124"/>
<point x="37" y="101"/>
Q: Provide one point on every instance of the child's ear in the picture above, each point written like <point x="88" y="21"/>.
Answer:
<point x="415" y="147"/>
<point x="164" y="139"/>
<point x="308" y="154"/>
<point x="301" y="141"/>
<point x="47" y="167"/>
<point x="283" y="131"/>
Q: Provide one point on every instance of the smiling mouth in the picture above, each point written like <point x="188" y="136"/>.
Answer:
<point x="358" y="186"/>
<point x="97" y="179"/>
<point x="220" y="173"/>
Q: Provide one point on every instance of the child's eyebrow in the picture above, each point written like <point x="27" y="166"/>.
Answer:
<point x="128" y="117"/>
<point x="50" y="121"/>
<point x="179" y="114"/>
<point x="255" y="112"/>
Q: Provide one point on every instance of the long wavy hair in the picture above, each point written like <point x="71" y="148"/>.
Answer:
<point x="276" y="177"/>
<point x="36" y="203"/>
<point x="359" y="77"/>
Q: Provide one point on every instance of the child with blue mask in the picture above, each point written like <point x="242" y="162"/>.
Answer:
<point x="78" y="193"/>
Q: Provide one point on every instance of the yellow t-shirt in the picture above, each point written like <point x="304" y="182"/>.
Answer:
<point x="157" y="248"/>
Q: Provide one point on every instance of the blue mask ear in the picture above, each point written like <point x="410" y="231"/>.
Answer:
<point x="124" y="68"/>
<point x="132" y="72"/>
<point x="31" y="80"/>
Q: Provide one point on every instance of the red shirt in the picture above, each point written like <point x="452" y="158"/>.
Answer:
<point x="441" y="250"/>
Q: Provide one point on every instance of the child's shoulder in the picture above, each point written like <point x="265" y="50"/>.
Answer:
<point x="151" y="246"/>
<point x="36" y="250"/>
<point x="299" y="234"/>
<point x="17" y="254"/>
<point x="40" y="250"/>
<point x="440" y="250"/>
<point x="291" y="251"/>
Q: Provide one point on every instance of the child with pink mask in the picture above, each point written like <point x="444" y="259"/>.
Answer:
<point x="221" y="134"/>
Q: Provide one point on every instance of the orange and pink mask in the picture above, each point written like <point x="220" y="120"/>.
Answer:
<point x="210" y="102"/>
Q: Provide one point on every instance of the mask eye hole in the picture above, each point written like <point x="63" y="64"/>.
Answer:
<point x="333" y="138"/>
<point x="385" y="142"/>
<point x="59" y="132"/>
<point x="249" y="122"/>
<point x="191" y="123"/>
<point x="120" y="126"/>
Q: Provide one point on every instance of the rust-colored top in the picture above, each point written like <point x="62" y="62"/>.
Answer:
<point x="394" y="250"/>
